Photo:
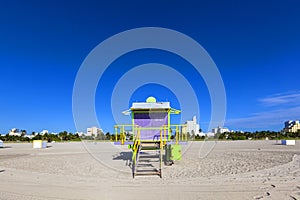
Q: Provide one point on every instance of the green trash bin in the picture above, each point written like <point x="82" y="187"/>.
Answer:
<point x="176" y="152"/>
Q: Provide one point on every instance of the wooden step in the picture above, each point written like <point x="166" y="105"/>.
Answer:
<point x="149" y="145"/>
<point x="148" y="173"/>
<point x="148" y="156"/>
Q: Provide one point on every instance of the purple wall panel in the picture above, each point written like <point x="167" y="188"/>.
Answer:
<point x="148" y="120"/>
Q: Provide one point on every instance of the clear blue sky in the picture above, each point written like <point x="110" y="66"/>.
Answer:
<point x="255" y="45"/>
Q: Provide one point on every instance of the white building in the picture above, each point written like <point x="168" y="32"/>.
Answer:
<point x="29" y="136"/>
<point x="192" y="127"/>
<point x="14" y="132"/>
<point x="291" y="126"/>
<point x="220" y="130"/>
<point x="93" y="131"/>
<point x="80" y="133"/>
<point x="44" y="132"/>
<point x="210" y="134"/>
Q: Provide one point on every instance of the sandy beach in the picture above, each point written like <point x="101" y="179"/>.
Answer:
<point x="231" y="170"/>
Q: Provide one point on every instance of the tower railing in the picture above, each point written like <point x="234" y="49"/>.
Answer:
<point x="165" y="135"/>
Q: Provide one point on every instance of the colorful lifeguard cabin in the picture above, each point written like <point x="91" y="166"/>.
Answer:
<point x="151" y="131"/>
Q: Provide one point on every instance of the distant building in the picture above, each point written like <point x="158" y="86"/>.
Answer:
<point x="80" y="133"/>
<point x="93" y="131"/>
<point x="29" y="136"/>
<point x="44" y="132"/>
<point x="192" y="127"/>
<point x="291" y="126"/>
<point x="220" y="130"/>
<point x="210" y="134"/>
<point x="14" y="132"/>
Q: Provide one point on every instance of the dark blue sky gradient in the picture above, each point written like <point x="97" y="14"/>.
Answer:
<point x="255" y="44"/>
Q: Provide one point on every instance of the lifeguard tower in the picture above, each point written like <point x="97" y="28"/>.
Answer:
<point x="151" y="131"/>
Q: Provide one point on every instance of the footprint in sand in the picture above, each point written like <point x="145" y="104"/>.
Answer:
<point x="296" y="193"/>
<point x="269" y="187"/>
<point x="293" y="198"/>
<point x="267" y="193"/>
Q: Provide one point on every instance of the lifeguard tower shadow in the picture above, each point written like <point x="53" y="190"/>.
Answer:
<point x="127" y="157"/>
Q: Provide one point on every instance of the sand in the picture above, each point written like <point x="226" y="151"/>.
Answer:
<point x="230" y="170"/>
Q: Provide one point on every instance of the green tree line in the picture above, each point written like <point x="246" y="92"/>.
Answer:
<point x="258" y="135"/>
<point x="62" y="136"/>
